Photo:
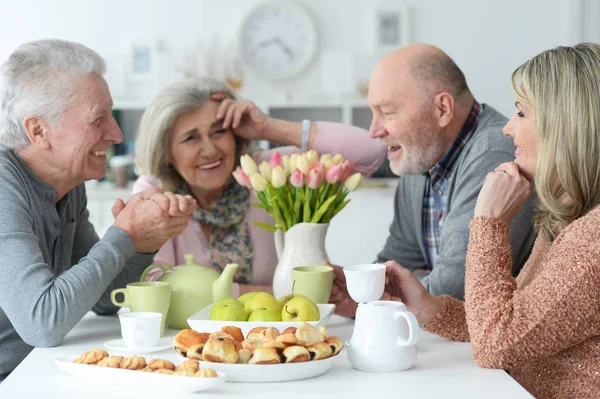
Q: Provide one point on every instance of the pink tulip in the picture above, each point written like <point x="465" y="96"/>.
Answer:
<point x="276" y="160"/>
<point x="319" y="167"/>
<point x="315" y="179"/>
<point x="347" y="168"/>
<point x="297" y="178"/>
<point x="242" y="178"/>
<point x="334" y="174"/>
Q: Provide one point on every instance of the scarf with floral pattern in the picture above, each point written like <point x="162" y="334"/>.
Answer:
<point x="230" y="240"/>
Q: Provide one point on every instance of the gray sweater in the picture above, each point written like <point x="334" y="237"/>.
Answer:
<point x="53" y="267"/>
<point x="486" y="149"/>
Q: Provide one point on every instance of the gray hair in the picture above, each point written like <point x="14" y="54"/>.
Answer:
<point x="37" y="79"/>
<point x="439" y="72"/>
<point x="152" y="142"/>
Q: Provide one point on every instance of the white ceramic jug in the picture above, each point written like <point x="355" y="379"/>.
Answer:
<point x="384" y="338"/>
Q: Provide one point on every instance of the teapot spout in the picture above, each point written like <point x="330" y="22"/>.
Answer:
<point x="222" y="286"/>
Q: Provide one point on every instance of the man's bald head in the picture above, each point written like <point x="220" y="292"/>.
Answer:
<point x="431" y="70"/>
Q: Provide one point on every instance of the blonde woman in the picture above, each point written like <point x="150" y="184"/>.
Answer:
<point x="543" y="326"/>
<point x="190" y="141"/>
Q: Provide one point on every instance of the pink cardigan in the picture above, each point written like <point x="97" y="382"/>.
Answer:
<point x="352" y="142"/>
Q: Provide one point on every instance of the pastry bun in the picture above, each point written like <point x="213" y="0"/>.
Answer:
<point x="335" y="344"/>
<point x="186" y="338"/>
<point x="220" y="350"/>
<point x="264" y="355"/>
<point x="295" y="354"/>
<point x="319" y="350"/>
<point x="234" y="331"/>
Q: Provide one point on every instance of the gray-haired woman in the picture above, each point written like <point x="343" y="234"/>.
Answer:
<point x="190" y="140"/>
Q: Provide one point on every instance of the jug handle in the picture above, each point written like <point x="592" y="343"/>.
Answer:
<point x="413" y="328"/>
<point x="279" y="243"/>
<point x="150" y="267"/>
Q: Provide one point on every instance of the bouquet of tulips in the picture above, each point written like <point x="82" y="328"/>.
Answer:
<point x="299" y="188"/>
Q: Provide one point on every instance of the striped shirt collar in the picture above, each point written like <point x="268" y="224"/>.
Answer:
<point x="443" y="169"/>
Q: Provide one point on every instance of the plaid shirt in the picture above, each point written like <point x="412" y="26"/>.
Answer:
<point x="435" y="196"/>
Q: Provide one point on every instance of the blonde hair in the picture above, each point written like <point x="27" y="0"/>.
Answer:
<point x="563" y="87"/>
<point x="152" y="142"/>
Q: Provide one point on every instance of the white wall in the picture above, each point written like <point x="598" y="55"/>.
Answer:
<point x="488" y="39"/>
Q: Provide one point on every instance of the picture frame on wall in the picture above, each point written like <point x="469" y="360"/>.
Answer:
<point x="142" y="61"/>
<point x="390" y="28"/>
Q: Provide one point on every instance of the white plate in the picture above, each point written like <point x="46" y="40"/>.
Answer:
<point x="118" y="345"/>
<point x="270" y="372"/>
<point x="201" y="322"/>
<point x="149" y="381"/>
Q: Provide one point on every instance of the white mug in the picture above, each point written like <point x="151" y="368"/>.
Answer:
<point x="365" y="283"/>
<point x="384" y="338"/>
<point x="140" y="329"/>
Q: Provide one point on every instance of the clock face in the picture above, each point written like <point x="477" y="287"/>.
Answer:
<point x="278" y="40"/>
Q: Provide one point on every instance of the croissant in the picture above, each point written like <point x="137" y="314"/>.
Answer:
<point x="319" y="350"/>
<point x="234" y="332"/>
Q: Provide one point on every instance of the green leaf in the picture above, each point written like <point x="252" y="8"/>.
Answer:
<point x="322" y="209"/>
<point x="306" y="215"/>
<point x="268" y="227"/>
<point x="257" y="205"/>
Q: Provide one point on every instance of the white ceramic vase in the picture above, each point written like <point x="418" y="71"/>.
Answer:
<point x="302" y="245"/>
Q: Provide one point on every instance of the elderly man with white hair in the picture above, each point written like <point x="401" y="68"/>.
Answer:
<point x="55" y="127"/>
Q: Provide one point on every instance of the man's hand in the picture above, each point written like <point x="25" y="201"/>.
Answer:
<point x="344" y="305"/>
<point x="402" y="286"/>
<point x="151" y="222"/>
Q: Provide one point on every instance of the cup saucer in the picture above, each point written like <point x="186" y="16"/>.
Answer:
<point x="119" y="345"/>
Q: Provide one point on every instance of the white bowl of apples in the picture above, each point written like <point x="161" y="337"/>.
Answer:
<point x="261" y="309"/>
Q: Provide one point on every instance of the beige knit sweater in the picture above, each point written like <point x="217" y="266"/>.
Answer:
<point x="543" y="327"/>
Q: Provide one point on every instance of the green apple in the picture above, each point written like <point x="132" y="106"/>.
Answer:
<point x="261" y="300"/>
<point x="300" y="308"/>
<point x="284" y="299"/>
<point x="247" y="296"/>
<point x="265" y="314"/>
<point x="228" y="309"/>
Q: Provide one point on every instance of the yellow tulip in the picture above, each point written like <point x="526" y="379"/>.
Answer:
<point x="325" y="158"/>
<point x="302" y="164"/>
<point x="286" y="165"/>
<point x="278" y="177"/>
<point x="293" y="161"/>
<point x="353" y="181"/>
<point x="337" y="158"/>
<point x="311" y="157"/>
<point x="258" y="182"/>
<point x="265" y="170"/>
<point x="248" y="164"/>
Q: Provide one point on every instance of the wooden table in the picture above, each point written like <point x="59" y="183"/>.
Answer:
<point x="444" y="369"/>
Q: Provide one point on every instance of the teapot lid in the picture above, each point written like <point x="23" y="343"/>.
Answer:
<point x="189" y="260"/>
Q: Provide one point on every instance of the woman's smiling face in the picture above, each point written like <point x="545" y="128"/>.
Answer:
<point x="201" y="151"/>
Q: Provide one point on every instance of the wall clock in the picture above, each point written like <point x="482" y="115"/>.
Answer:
<point x="278" y="39"/>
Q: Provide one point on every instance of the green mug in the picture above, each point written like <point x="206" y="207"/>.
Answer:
<point x="148" y="296"/>
<point x="314" y="282"/>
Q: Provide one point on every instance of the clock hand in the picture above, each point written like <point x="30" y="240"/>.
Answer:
<point x="266" y="42"/>
<point x="286" y="49"/>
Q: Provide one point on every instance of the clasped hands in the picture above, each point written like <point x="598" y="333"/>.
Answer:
<point x="152" y="217"/>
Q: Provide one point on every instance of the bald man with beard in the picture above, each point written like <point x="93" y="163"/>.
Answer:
<point x="442" y="143"/>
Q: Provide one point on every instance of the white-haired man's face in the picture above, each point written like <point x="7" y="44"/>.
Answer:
<point x="405" y="124"/>
<point x="85" y="133"/>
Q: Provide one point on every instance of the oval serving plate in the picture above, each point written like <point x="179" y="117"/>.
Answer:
<point x="270" y="372"/>
<point x="147" y="381"/>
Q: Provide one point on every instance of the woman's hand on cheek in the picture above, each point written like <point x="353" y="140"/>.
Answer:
<point x="504" y="192"/>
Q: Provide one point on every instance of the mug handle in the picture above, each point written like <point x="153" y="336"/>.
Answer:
<point x="413" y="328"/>
<point x="113" y="297"/>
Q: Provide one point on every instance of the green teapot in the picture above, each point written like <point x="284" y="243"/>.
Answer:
<point x="194" y="287"/>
